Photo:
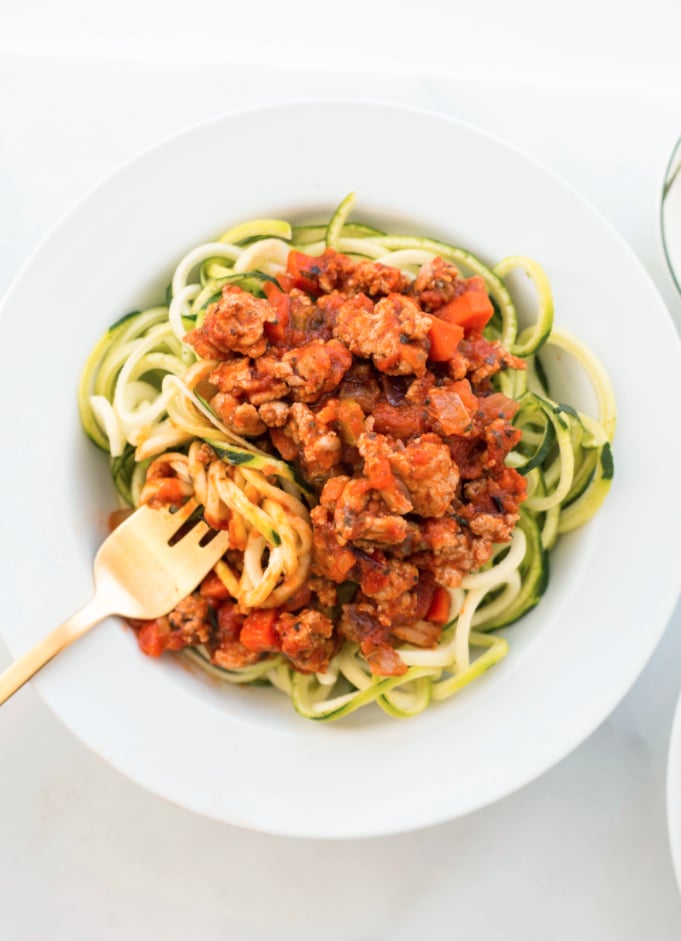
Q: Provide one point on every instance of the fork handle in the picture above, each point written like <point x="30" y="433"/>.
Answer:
<point x="35" y="659"/>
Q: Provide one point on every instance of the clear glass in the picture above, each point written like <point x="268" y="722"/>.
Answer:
<point x="670" y="215"/>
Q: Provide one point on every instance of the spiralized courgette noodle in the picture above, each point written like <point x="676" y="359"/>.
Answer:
<point x="141" y="401"/>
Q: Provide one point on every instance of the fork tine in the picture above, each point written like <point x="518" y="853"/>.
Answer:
<point x="166" y="523"/>
<point x="145" y="571"/>
<point x="186" y="510"/>
<point x="192" y="540"/>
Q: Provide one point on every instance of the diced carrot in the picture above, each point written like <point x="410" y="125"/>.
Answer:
<point x="438" y="612"/>
<point x="444" y="339"/>
<point x="258" y="632"/>
<point x="471" y="310"/>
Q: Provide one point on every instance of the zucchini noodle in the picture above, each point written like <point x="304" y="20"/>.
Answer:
<point x="141" y="400"/>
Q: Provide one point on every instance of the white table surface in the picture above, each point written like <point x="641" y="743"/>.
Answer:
<point x="580" y="853"/>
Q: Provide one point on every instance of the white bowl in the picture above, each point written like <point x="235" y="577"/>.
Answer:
<point x="243" y="755"/>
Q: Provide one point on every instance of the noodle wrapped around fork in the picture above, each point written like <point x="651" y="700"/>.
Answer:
<point x="268" y="526"/>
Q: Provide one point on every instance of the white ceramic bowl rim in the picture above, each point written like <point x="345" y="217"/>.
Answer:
<point x="243" y="756"/>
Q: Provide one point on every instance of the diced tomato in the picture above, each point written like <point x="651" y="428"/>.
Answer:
<point x="213" y="588"/>
<point x="444" y="339"/>
<point x="299" y="266"/>
<point x="271" y="289"/>
<point x="258" y="632"/>
<point x="229" y="621"/>
<point x="167" y="491"/>
<point x="333" y="489"/>
<point x="497" y="405"/>
<point x="301" y="599"/>
<point x="471" y="310"/>
<point x="284" y="445"/>
<point x="448" y="411"/>
<point x="281" y="302"/>
<point x="423" y="595"/>
<point x="285" y="282"/>
<point x="438" y="612"/>
<point x="462" y="387"/>
<point x="153" y="638"/>
<point x="350" y="420"/>
<point x="402" y="421"/>
<point x="379" y="475"/>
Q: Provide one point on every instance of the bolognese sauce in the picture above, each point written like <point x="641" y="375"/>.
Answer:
<point x="381" y="396"/>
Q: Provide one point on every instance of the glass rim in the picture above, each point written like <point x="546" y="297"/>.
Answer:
<point x="672" y="171"/>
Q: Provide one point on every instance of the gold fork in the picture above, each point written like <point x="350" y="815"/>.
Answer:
<point x="144" y="568"/>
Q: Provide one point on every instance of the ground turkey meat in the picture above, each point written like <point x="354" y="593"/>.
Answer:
<point x="392" y="332"/>
<point x="317" y="447"/>
<point x="331" y="557"/>
<point x="375" y="279"/>
<point x="274" y="414"/>
<point x="257" y="381"/>
<point x="436" y="284"/>
<point x="450" y="550"/>
<point x="240" y="417"/>
<point x="333" y="271"/>
<point x="361" y="515"/>
<point x="386" y="580"/>
<point x="234" y="324"/>
<point x="307" y="640"/>
<point x="424" y="467"/>
<point x="188" y="623"/>
<point x="315" y="368"/>
<point x="225" y="648"/>
<point x="479" y="359"/>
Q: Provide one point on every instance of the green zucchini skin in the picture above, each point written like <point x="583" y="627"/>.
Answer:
<point x="534" y="571"/>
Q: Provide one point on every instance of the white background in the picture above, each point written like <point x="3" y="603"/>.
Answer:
<point x="580" y="853"/>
